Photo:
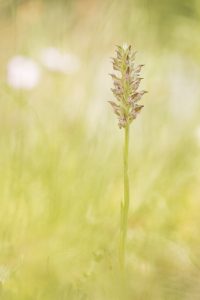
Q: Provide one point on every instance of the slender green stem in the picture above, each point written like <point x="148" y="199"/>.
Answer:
<point x="125" y="203"/>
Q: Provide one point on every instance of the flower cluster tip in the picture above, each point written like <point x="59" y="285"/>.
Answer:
<point x="126" y="86"/>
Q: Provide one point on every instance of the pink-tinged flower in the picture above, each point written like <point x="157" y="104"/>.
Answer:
<point x="56" y="61"/>
<point x="126" y="83"/>
<point x="23" y="73"/>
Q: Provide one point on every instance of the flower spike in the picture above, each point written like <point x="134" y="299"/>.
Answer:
<point x="126" y="85"/>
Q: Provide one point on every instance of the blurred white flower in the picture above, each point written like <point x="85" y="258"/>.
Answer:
<point x="4" y="273"/>
<point x="54" y="60"/>
<point x="23" y="73"/>
<point x="184" y="87"/>
<point x="197" y="135"/>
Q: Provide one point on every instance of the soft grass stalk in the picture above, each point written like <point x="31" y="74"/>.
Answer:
<point x="126" y="84"/>
<point x="125" y="203"/>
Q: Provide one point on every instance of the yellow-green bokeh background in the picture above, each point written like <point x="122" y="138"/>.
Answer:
<point x="61" y="154"/>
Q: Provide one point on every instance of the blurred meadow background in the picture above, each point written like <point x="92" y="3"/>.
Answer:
<point x="61" y="166"/>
